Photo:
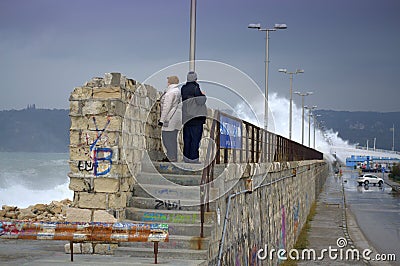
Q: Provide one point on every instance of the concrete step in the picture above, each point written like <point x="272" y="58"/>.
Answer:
<point x="170" y="204"/>
<point x="162" y="191"/>
<point x="187" y="254"/>
<point x="166" y="179"/>
<point x="184" y="229"/>
<point x="175" y="242"/>
<point x="168" y="216"/>
<point x="179" y="168"/>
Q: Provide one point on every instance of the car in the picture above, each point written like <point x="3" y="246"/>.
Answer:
<point x="369" y="179"/>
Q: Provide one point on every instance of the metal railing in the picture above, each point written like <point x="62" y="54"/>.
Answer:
<point x="238" y="141"/>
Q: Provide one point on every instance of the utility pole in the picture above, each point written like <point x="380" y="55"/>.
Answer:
<point x="393" y="137"/>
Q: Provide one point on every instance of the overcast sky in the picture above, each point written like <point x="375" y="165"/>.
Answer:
<point x="349" y="49"/>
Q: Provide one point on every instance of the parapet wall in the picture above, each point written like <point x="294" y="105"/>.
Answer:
<point x="99" y="172"/>
<point x="270" y="217"/>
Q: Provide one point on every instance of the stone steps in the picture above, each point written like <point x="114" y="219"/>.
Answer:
<point x="171" y="192"/>
<point x="179" y="168"/>
<point x="170" y="204"/>
<point x="169" y="179"/>
<point x="168" y="216"/>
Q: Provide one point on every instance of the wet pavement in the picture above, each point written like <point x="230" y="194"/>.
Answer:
<point x="361" y="218"/>
<point x="376" y="211"/>
<point x="327" y="227"/>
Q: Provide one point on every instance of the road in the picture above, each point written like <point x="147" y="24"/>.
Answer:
<point x="377" y="212"/>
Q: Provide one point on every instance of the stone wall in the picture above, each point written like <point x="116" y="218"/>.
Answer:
<point x="271" y="216"/>
<point x="112" y="124"/>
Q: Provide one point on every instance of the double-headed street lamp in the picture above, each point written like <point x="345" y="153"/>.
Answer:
<point x="302" y="94"/>
<point x="298" y="71"/>
<point x="258" y="27"/>
<point x="309" y="122"/>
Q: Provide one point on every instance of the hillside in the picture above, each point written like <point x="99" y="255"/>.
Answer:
<point x="358" y="127"/>
<point x="44" y="130"/>
<point x="34" y="130"/>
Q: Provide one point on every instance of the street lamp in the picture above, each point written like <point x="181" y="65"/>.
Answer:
<point x="298" y="71"/>
<point x="315" y="125"/>
<point x="258" y="27"/>
<point x="309" y="122"/>
<point x="392" y="129"/>
<point x="302" y="111"/>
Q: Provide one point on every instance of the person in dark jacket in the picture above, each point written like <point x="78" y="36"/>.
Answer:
<point x="194" y="112"/>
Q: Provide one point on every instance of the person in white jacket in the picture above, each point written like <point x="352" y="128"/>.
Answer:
<point x="171" y="117"/>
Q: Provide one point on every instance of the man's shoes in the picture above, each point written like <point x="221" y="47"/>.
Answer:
<point x="196" y="161"/>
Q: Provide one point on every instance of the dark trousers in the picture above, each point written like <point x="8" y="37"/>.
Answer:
<point x="170" y="144"/>
<point x="191" y="142"/>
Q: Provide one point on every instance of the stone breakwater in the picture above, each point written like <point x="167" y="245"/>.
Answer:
<point x="56" y="211"/>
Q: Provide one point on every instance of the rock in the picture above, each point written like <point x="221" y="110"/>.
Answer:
<point x="9" y="208"/>
<point x="39" y="207"/>
<point x="12" y="215"/>
<point x="26" y="214"/>
<point x="55" y="211"/>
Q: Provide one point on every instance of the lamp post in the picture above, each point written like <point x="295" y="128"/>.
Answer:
<point x="315" y="125"/>
<point x="392" y="129"/>
<point x="192" y="51"/>
<point x="258" y="27"/>
<point x="374" y="143"/>
<point x="302" y="111"/>
<point x="298" y="71"/>
<point x="309" y="122"/>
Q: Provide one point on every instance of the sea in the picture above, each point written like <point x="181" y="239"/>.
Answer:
<point x="30" y="178"/>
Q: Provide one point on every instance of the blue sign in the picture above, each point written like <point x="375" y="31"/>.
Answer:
<point x="230" y="133"/>
<point x="383" y="169"/>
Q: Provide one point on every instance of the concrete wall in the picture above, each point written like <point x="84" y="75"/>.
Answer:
<point x="271" y="215"/>
<point x="112" y="124"/>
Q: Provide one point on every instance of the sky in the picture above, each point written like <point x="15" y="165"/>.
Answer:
<point x="349" y="49"/>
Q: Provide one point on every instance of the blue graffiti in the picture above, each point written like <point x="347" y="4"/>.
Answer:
<point x="96" y="160"/>
<point x="97" y="150"/>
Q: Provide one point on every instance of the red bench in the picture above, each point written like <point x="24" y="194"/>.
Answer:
<point x="76" y="232"/>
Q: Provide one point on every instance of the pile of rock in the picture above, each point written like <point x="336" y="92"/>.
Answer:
<point x="53" y="212"/>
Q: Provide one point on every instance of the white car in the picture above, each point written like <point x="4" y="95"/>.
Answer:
<point x="369" y="179"/>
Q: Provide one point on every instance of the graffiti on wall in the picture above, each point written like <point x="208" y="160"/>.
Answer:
<point x="296" y="218"/>
<point x="100" y="158"/>
<point x="77" y="231"/>
<point x="283" y="229"/>
<point x="168" y="204"/>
